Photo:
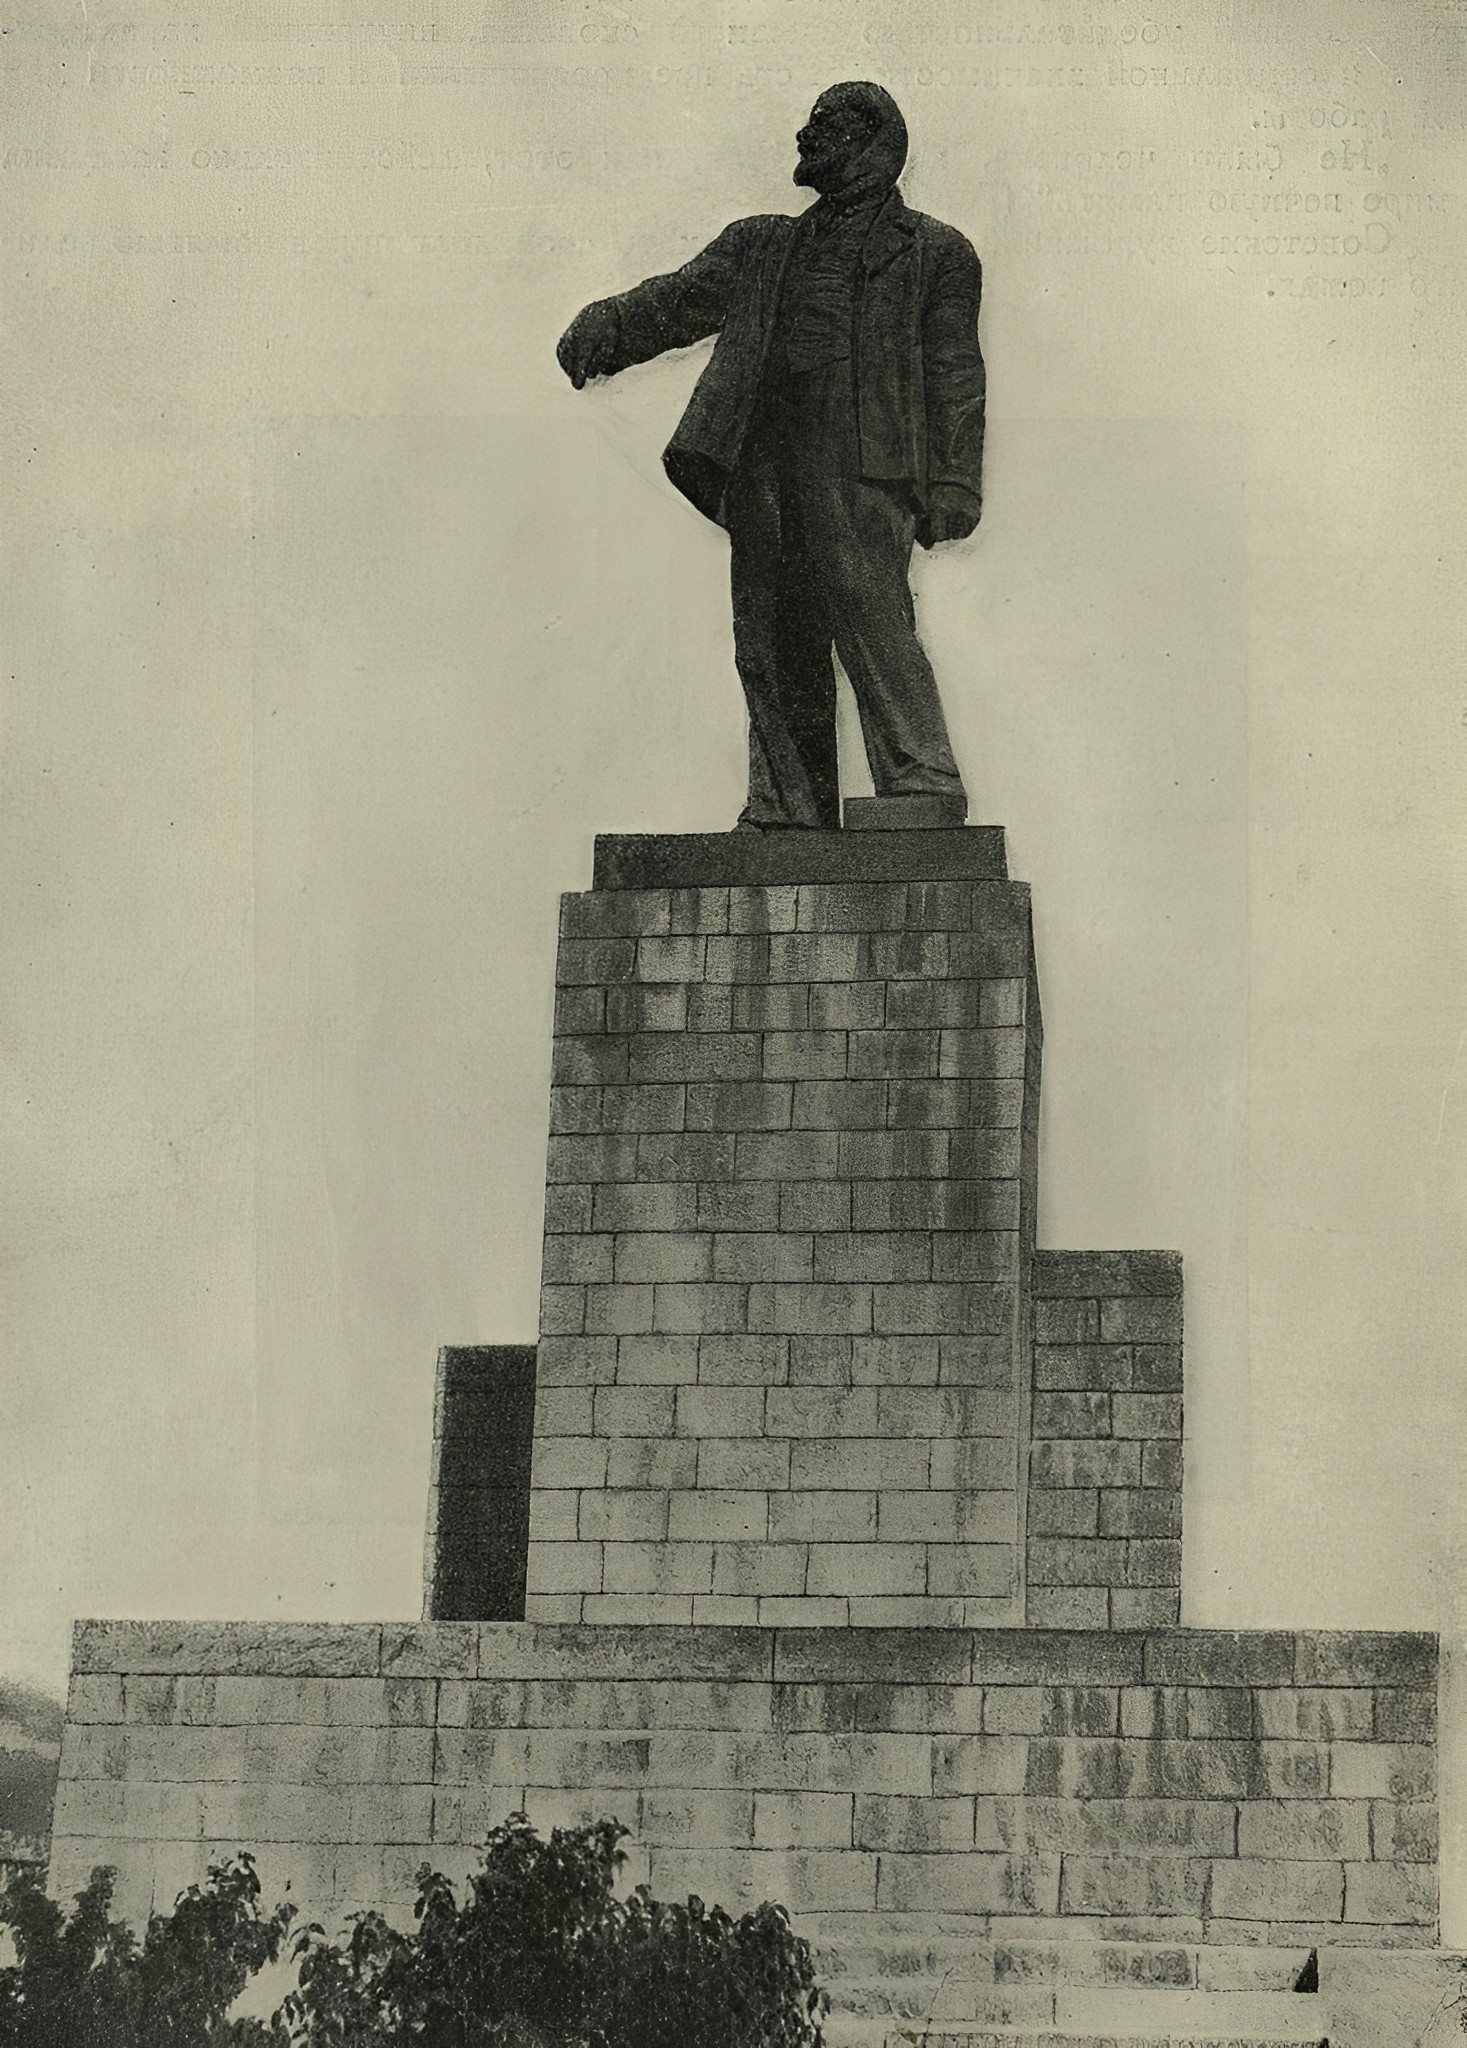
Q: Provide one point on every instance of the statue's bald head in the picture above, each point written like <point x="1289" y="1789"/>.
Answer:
<point x="855" y="128"/>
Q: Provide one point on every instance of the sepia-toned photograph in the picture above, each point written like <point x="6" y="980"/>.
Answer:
<point x="735" y="1049"/>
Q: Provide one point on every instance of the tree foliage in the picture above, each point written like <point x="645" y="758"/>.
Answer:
<point x="539" y="1952"/>
<point x="542" y="1953"/>
<point x="86" y="1981"/>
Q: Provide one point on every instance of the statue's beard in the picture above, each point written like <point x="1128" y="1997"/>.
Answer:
<point x="823" y="174"/>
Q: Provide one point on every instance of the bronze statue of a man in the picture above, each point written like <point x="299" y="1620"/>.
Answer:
<point x="839" y="419"/>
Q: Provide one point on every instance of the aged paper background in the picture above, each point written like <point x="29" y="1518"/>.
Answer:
<point x="335" y="625"/>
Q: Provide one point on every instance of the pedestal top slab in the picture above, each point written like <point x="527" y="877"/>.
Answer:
<point x="718" y="860"/>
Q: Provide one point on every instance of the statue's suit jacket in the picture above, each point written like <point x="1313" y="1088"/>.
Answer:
<point x="918" y="372"/>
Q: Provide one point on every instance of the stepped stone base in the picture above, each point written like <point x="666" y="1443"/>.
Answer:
<point x="810" y="1429"/>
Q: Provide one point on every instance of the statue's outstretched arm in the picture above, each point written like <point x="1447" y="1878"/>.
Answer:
<point x="665" y="312"/>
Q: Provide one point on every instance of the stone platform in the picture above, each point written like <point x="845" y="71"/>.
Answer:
<point x="831" y="1535"/>
<point x="1256" y="1788"/>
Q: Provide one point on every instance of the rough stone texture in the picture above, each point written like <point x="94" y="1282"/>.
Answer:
<point x="784" y="1367"/>
<point x="1027" y="1786"/>
<point x="479" y="1490"/>
<point x="1104" y="1535"/>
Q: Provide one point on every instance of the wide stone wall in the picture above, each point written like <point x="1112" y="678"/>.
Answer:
<point x="1167" y="1785"/>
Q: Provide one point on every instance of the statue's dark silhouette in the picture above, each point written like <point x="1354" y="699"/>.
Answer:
<point x="839" y="419"/>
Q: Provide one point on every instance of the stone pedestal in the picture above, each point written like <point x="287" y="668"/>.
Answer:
<point x="803" y="1383"/>
<point x="784" y="1360"/>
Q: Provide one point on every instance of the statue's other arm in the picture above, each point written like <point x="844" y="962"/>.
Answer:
<point x="663" y="312"/>
<point x="954" y="375"/>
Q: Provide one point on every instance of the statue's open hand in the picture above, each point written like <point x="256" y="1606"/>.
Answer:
<point x="588" y="346"/>
<point x="952" y="514"/>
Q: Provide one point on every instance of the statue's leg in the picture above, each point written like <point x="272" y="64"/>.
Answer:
<point x="859" y="539"/>
<point x="782" y="653"/>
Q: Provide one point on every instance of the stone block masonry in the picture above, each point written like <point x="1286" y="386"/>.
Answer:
<point x="1105" y="1456"/>
<point x="850" y="1539"/>
<point x="1154" y="1786"/>
<point x="784" y="1364"/>
<point x="1105" y="1493"/>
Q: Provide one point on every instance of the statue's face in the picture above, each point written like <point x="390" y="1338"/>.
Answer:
<point x="829" y="144"/>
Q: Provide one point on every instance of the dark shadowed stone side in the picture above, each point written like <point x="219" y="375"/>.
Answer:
<point x="479" y="1503"/>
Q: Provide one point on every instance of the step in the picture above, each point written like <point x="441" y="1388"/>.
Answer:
<point x="934" y="1949"/>
<point x="884" y="2034"/>
<point x="944" y="2001"/>
<point x="1226" y="2015"/>
<point x="948" y="2003"/>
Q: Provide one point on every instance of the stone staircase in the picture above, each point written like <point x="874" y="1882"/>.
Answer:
<point x="932" y="1985"/>
<point x="1180" y="2020"/>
